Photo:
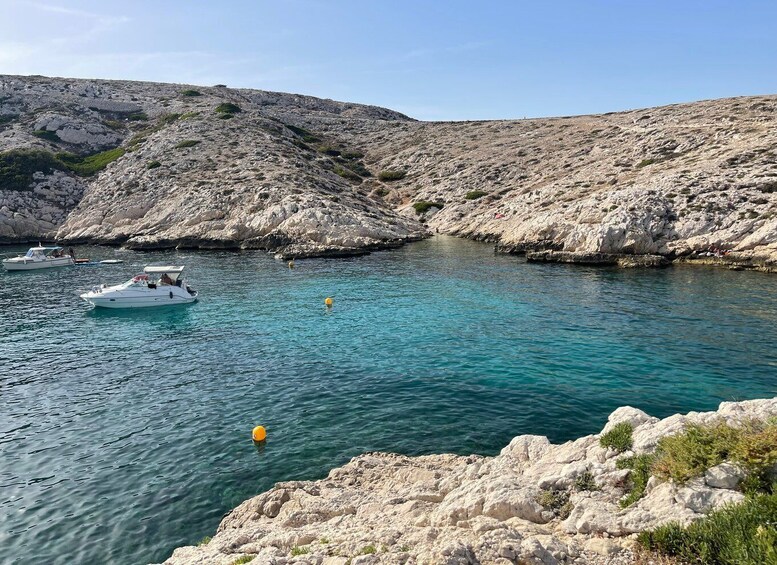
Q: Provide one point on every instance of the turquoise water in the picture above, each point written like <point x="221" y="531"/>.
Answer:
<point x="126" y="434"/>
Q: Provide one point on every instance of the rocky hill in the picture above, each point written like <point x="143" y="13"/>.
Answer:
<point x="150" y="165"/>
<point x="581" y="502"/>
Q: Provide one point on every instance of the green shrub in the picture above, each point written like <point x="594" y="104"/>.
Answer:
<point x="391" y="175"/>
<point x="641" y="466"/>
<point x="328" y="150"/>
<point x="306" y="136"/>
<point x="346" y="173"/>
<point x="645" y="163"/>
<point x="187" y="143"/>
<point x="153" y="164"/>
<point x="556" y="501"/>
<point x="368" y="550"/>
<point x="46" y="134"/>
<point x="18" y="165"/>
<point x="168" y="119"/>
<point x="137" y="117"/>
<point x="737" y="534"/>
<point x="228" y="108"/>
<point x="619" y="437"/>
<point x="204" y="541"/>
<point x="242" y="560"/>
<point x="475" y="194"/>
<point x="352" y="154"/>
<point x="113" y="124"/>
<point x="7" y="118"/>
<point x="300" y="550"/>
<point x="191" y="92"/>
<point x="424" y="206"/>
<point x="90" y="164"/>
<point x="690" y="453"/>
<point x="358" y="168"/>
<point x="586" y="481"/>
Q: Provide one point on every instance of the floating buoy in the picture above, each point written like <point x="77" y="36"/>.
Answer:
<point x="259" y="433"/>
<point x="291" y="264"/>
<point x="329" y="302"/>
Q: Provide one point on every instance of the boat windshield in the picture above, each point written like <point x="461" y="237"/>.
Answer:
<point x="137" y="280"/>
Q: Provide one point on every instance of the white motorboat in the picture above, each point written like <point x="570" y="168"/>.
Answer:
<point x="39" y="258"/>
<point x="145" y="290"/>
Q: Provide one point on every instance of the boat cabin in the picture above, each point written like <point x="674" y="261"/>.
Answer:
<point x="168" y="275"/>
<point x="40" y="253"/>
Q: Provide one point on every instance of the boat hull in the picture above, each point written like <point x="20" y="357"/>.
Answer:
<point x="153" y="298"/>
<point x="16" y="265"/>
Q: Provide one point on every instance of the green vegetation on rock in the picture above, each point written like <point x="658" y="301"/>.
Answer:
<point x="737" y="534"/>
<point x="191" y="92"/>
<point x="619" y="437"/>
<point x="187" y="143"/>
<point x="424" y="206"/>
<point x="640" y="466"/>
<point x="137" y="117"/>
<point x="228" y="108"/>
<point x="243" y="560"/>
<point x="300" y="550"/>
<point x="306" y="136"/>
<point x="475" y="194"/>
<point x="18" y="165"/>
<point x="153" y="164"/>
<point x="46" y="134"/>
<point x="391" y="175"/>
<point x="346" y="173"/>
<point x="89" y="165"/>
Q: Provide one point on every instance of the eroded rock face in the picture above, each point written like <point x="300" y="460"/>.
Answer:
<point x="301" y="176"/>
<point x="442" y="509"/>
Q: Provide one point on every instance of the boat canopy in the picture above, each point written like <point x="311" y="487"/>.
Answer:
<point x="170" y="270"/>
<point x="167" y="269"/>
<point x="42" y="248"/>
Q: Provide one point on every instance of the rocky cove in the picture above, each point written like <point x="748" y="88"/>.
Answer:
<point x="151" y="166"/>
<point x="534" y="503"/>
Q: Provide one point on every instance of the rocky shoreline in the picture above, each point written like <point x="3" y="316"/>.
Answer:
<point x="153" y="165"/>
<point x="535" y="503"/>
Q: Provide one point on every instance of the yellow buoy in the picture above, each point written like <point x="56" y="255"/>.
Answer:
<point x="329" y="302"/>
<point x="291" y="264"/>
<point x="259" y="433"/>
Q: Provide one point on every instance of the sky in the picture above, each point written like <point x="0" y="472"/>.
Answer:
<point x="432" y="60"/>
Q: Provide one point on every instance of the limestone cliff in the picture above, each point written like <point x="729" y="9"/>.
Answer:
<point x="220" y="167"/>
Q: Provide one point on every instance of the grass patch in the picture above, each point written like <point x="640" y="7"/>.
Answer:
<point x="204" y="541"/>
<point x="352" y="154"/>
<point x="329" y="150"/>
<point x="46" y="134"/>
<point x="7" y="118"/>
<point x="368" y="550"/>
<point x="300" y="550"/>
<point x="645" y="163"/>
<point x="640" y="466"/>
<point x="475" y="194"/>
<point x="619" y="437"/>
<point x="424" y="206"/>
<point x="91" y="164"/>
<point x="244" y="559"/>
<point x="153" y="164"/>
<point x="738" y="534"/>
<point x="228" y="108"/>
<point x="168" y="119"/>
<point x="187" y="143"/>
<point x="138" y="117"/>
<point x="191" y="92"/>
<point x="391" y="175"/>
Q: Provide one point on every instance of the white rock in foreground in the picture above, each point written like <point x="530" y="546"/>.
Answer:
<point x="447" y="509"/>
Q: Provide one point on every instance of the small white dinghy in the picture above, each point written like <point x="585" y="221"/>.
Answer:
<point x="144" y="291"/>
<point x="39" y="258"/>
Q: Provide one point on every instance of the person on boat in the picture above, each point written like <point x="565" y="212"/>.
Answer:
<point x="72" y="253"/>
<point x="165" y="279"/>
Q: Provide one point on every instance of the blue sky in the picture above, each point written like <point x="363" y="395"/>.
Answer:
<point x="444" y="60"/>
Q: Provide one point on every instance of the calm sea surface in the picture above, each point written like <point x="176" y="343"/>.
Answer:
<point x="126" y="434"/>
